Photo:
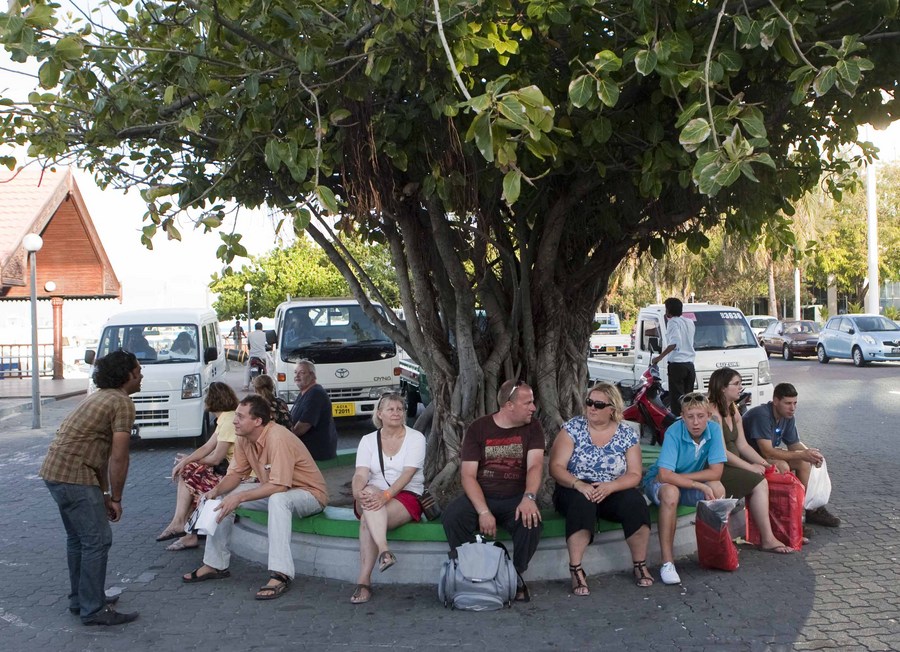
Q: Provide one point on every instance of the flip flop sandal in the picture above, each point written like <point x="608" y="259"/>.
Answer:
<point x="273" y="591"/>
<point x="777" y="550"/>
<point x="175" y="547"/>
<point x="168" y="535"/>
<point x="357" y="597"/>
<point x="386" y="560"/>
<point x="214" y="575"/>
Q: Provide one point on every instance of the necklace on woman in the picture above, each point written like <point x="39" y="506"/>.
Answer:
<point x="395" y="441"/>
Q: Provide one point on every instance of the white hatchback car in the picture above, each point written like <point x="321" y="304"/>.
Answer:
<point x="862" y="338"/>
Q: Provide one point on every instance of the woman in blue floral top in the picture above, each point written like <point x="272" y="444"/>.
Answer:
<point x="596" y="462"/>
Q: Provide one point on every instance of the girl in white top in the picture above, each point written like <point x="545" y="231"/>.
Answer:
<point x="385" y="500"/>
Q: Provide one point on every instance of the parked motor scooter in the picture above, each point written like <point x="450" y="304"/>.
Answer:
<point x="257" y="367"/>
<point x="646" y="405"/>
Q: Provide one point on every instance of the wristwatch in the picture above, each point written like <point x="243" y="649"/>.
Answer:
<point x="530" y="496"/>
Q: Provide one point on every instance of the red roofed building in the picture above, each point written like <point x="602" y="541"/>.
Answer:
<point x="72" y="257"/>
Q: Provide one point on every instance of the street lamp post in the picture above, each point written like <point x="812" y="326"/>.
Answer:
<point x="33" y="243"/>
<point x="247" y="288"/>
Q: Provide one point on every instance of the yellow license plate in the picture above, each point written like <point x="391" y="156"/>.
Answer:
<point x="610" y="349"/>
<point x="343" y="410"/>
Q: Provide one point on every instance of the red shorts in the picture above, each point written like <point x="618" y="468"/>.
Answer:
<point x="199" y="478"/>
<point x="406" y="498"/>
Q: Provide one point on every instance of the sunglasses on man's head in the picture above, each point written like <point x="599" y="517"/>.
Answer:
<point x="599" y="405"/>
<point x="693" y="397"/>
<point x="518" y="384"/>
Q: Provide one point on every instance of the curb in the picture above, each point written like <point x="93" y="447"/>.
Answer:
<point x="26" y="405"/>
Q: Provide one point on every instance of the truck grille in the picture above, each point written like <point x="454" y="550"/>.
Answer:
<point x="746" y="381"/>
<point x="155" y="414"/>
<point x="139" y="398"/>
<point x="348" y="394"/>
<point x="147" y="418"/>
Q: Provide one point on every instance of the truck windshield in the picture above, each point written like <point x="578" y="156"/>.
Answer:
<point x="332" y="334"/>
<point x="721" y="329"/>
<point x="152" y="343"/>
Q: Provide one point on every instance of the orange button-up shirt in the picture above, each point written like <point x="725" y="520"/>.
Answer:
<point x="279" y="457"/>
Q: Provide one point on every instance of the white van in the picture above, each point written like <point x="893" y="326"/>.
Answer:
<point x="355" y="361"/>
<point x="722" y="338"/>
<point x="181" y="353"/>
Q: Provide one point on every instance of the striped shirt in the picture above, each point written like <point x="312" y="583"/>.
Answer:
<point x="84" y="439"/>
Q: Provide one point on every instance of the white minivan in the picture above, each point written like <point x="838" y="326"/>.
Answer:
<point x="181" y="353"/>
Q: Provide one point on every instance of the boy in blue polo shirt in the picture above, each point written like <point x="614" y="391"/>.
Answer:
<point x="688" y="470"/>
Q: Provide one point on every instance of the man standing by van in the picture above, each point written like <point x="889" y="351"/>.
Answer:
<point x="311" y="414"/>
<point x="680" y="335"/>
<point x="85" y="471"/>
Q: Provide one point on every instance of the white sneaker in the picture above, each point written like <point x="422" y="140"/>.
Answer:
<point x="668" y="574"/>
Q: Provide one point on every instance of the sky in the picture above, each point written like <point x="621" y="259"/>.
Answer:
<point x="174" y="273"/>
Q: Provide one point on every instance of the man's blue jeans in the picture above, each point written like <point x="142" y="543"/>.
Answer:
<point x="89" y="538"/>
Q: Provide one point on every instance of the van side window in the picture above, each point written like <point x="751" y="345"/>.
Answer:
<point x="206" y="339"/>
<point x="649" y="328"/>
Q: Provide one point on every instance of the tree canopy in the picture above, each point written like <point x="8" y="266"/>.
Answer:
<point x="509" y="153"/>
<point x="301" y="270"/>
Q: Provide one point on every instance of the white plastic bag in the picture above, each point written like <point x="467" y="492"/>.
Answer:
<point x="818" y="492"/>
<point x="206" y="518"/>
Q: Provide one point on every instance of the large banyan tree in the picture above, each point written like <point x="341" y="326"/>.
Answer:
<point x="509" y="152"/>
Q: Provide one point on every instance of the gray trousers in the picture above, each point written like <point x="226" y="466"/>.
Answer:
<point x="281" y="508"/>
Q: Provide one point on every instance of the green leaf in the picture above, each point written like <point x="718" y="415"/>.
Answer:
<point x="70" y="48"/>
<point x="824" y="80"/>
<point x="695" y="132"/>
<point x="752" y="120"/>
<point x="606" y="61"/>
<point x="305" y="58"/>
<point x="302" y="218"/>
<point x="191" y="123"/>
<point x="689" y="113"/>
<point x="730" y="60"/>
<point x="728" y="174"/>
<point x="645" y="62"/>
<point x="169" y="95"/>
<point x="327" y="199"/>
<point x="48" y="74"/>
<point x="581" y="89"/>
<point x="272" y="155"/>
<point x="512" y="182"/>
<point x="339" y="115"/>
<point x="252" y="86"/>
<point x="480" y="130"/>
<point x="608" y="91"/>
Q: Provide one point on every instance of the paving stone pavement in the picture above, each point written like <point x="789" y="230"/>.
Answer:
<point x="841" y="592"/>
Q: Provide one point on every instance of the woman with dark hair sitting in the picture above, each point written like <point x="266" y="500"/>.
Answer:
<point x="197" y="473"/>
<point x="744" y="472"/>
<point x="596" y="462"/>
<point x="265" y="387"/>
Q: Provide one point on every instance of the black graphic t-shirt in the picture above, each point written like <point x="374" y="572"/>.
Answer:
<point x="501" y="454"/>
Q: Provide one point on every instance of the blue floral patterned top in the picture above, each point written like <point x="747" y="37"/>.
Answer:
<point x="598" y="463"/>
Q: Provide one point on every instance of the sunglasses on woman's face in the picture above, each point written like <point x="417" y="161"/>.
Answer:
<point x="597" y="405"/>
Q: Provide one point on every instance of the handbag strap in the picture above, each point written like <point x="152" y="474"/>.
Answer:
<point x="381" y="456"/>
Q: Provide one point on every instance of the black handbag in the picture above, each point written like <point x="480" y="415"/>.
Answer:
<point x="430" y="507"/>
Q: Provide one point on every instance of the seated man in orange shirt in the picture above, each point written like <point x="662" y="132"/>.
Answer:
<point x="289" y="483"/>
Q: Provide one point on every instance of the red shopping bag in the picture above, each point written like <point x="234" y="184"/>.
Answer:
<point x="786" y="496"/>
<point x="718" y="522"/>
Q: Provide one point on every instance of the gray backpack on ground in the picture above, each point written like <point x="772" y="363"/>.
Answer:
<point x="478" y="577"/>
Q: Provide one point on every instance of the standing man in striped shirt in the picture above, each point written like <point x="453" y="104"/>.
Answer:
<point x="85" y="471"/>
